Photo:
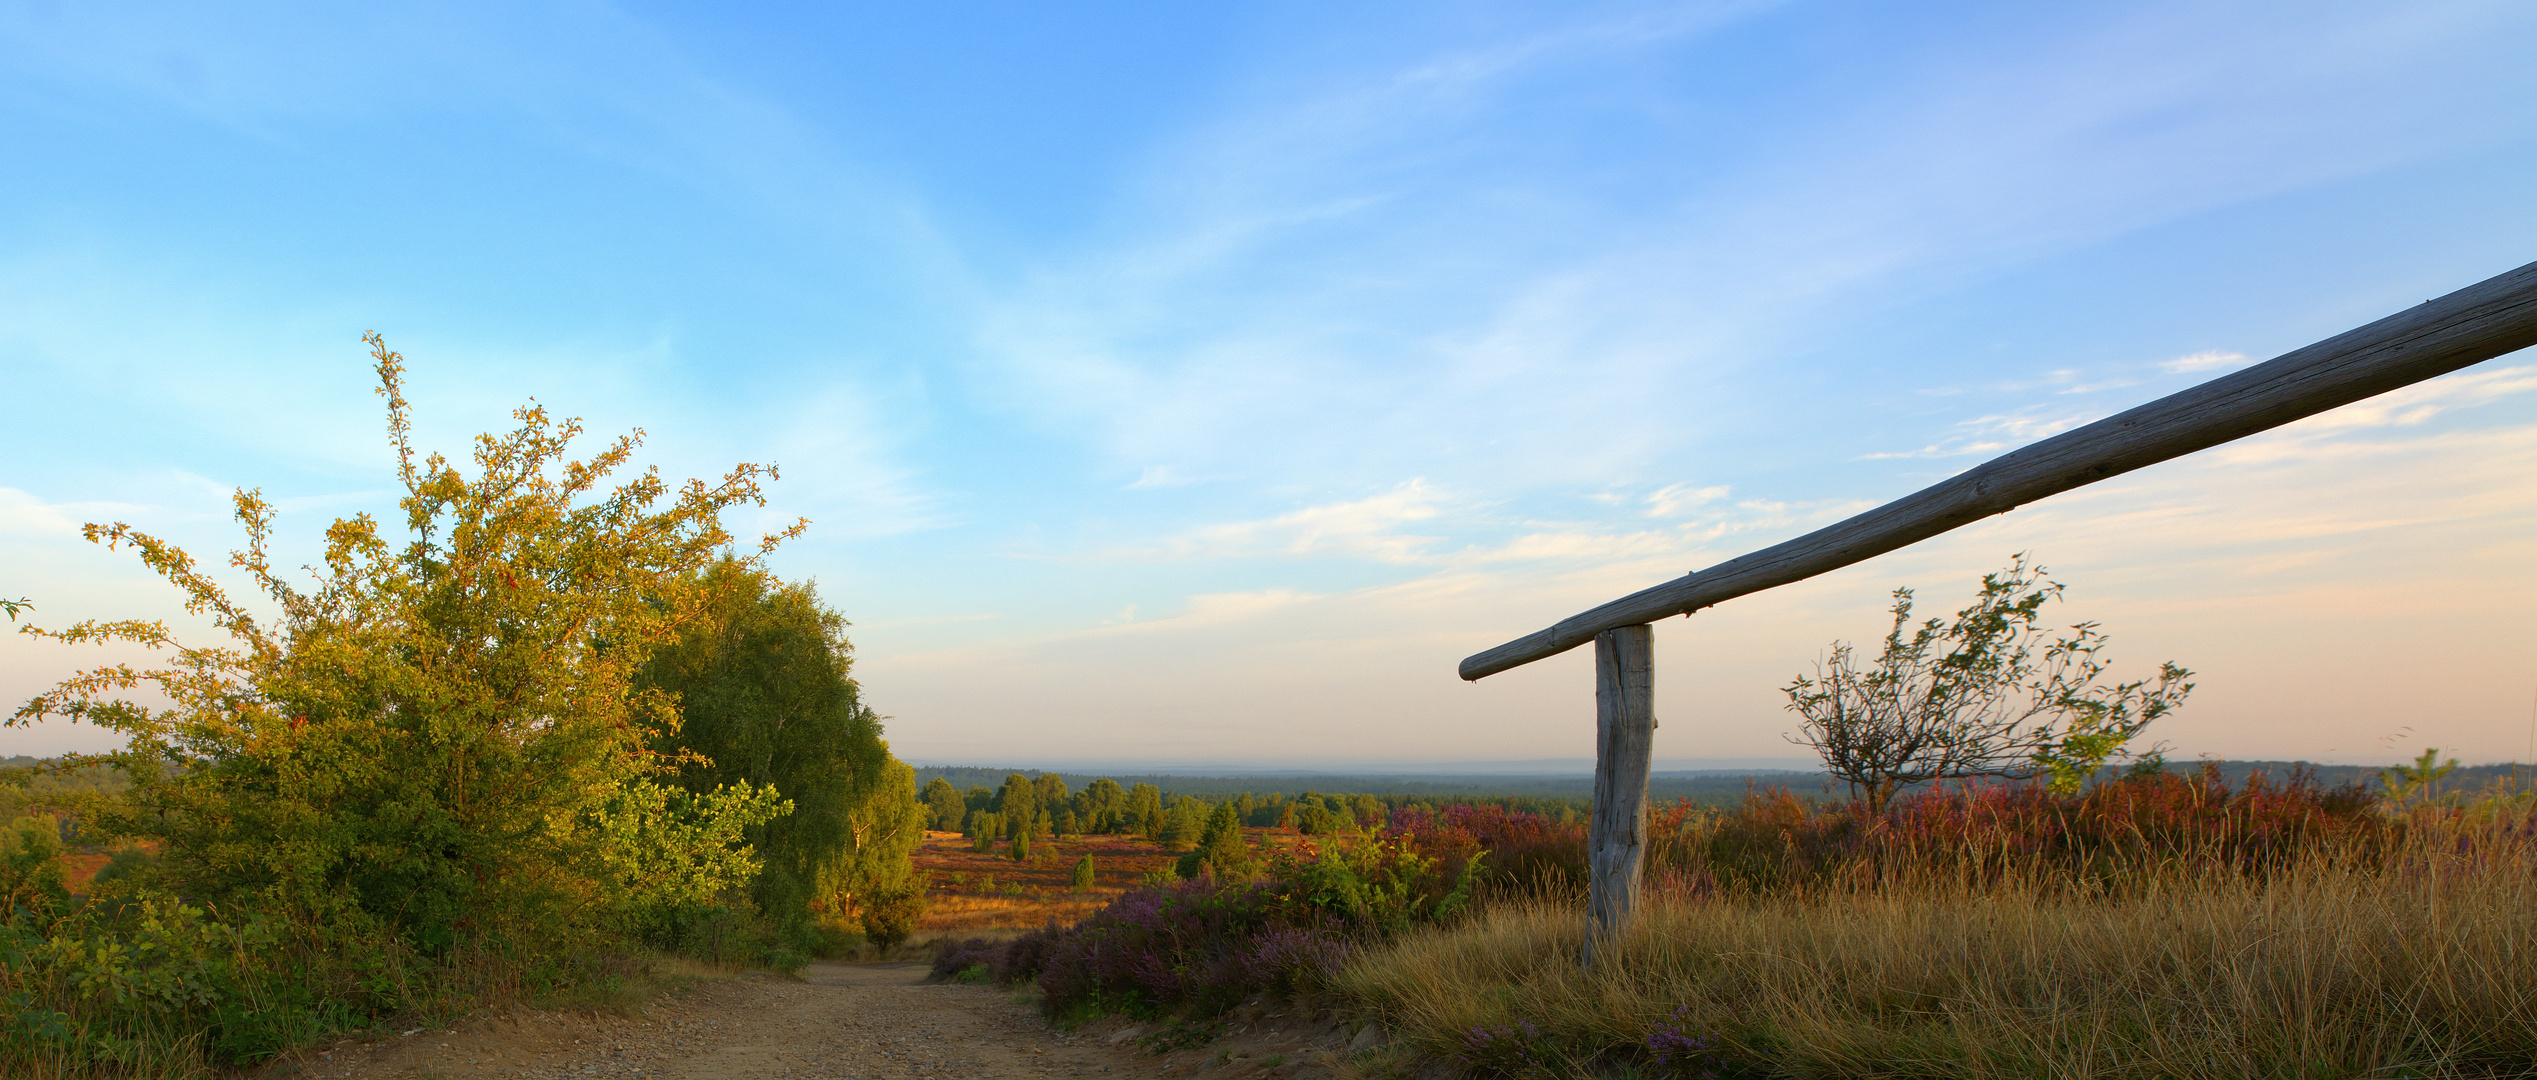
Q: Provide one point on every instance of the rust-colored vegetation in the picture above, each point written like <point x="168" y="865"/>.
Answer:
<point x="978" y="891"/>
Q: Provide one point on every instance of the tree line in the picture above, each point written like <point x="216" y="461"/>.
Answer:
<point x="1030" y="806"/>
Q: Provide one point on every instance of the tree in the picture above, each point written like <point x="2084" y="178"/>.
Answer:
<point x="765" y="697"/>
<point x="1145" y="810"/>
<point x="1974" y="698"/>
<point x="1050" y="792"/>
<point x="1183" y="823"/>
<point x="1101" y="807"/>
<point x="444" y="738"/>
<point x="1083" y="874"/>
<point x="945" y="802"/>
<point x="1220" y="846"/>
<point x="1018" y="804"/>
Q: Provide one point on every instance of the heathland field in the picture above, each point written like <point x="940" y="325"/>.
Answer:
<point x="515" y="779"/>
<point x="969" y="890"/>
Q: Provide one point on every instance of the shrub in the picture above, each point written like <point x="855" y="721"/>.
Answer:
<point x="2099" y="838"/>
<point x="1529" y="854"/>
<point x="428" y="778"/>
<point x="1204" y="946"/>
<point x="889" y="915"/>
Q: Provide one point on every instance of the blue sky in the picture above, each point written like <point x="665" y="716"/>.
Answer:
<point x="1179" y="384"/>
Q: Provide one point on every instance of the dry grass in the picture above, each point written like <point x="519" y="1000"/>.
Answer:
<point x="982" y="891"/>
<point x="2426" y="967"/>
<point x="955" y="912"/>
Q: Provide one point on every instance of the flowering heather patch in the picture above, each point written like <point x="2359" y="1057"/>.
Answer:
<point x="1980" y="831"/>
<point x="1674" y="1051"/>
<point x="1205" y="946"/>
<point x="1504" y="1050"/>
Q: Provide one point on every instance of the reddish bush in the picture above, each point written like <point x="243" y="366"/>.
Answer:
<point x="1523" y="853"/>
<point x="1979" y="830"/>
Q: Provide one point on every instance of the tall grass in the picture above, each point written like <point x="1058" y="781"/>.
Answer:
<point x="2172" y="928"/>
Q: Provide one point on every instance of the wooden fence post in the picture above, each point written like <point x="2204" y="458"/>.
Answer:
<point x="1624" y="737"/>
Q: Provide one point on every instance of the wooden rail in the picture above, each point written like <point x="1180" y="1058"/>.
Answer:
<point x="2476" y="323"/>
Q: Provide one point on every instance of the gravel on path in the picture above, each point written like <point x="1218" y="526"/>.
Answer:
<point x="839" y="1022"/>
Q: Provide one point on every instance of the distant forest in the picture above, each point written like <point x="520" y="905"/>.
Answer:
<point x="1708" y="788"/>
<point x="1703" y="787"/>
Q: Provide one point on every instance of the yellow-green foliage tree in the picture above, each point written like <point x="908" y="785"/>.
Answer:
<point x="440" y="738"/>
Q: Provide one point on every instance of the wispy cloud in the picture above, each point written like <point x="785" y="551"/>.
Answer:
<point x="1678" y="499"/>
<point x="1989" y="434"/>
<point x="2207" y="360"/>
<point x="1367" y="528"/>
<point x="930" y="620"/>
<point x="1157" y="476"/>
<point x="24" y="514"/>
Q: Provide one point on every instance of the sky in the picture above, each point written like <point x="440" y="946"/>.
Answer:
<point x="1175" y="385"/>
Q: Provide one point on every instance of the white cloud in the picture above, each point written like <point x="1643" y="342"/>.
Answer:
<point x="2415" y="404"/>
<point x="1989" y="434"/>
<point x="1681" y="498"/>
<point x="24" y="514"/>
<point x="2209" y="360"/>
<point x="1363" y="528"/>
<point x="1157" y="476"/>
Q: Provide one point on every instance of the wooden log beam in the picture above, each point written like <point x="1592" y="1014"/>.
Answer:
<point x="1624" y="740"/>
<point x="2473" y="324"/>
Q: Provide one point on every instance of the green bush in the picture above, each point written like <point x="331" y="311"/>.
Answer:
<point x="446" y="772"/>
<point x="889" y="916"/>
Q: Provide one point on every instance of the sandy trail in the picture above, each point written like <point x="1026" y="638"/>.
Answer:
<point x="841" y="1022"/>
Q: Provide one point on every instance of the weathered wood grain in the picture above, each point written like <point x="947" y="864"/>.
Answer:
<point x="1624" y="740"/>
<point x="2473" y="324"/>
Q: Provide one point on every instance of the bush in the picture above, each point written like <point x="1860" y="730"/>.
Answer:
<point x="1204" y="946"/>
<point x="890" y="915"/>
<point x="1529" y="854"/>
<point x="425" y="781"/>
<point x="2099" y="838"/>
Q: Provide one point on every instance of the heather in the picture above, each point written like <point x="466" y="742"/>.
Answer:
<point x="2154" y="924"/>
<point x="2106" y="837"/>
<point x="2157" y="925"/>
<point x="1199" y="947"/>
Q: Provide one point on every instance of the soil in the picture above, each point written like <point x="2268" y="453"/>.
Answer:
<point x="837" y="1022"/>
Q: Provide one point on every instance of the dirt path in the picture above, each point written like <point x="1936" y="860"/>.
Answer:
<point x="841" y="1022"/>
